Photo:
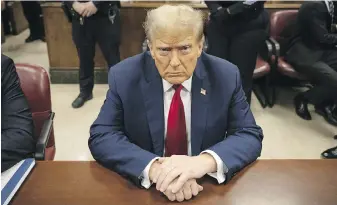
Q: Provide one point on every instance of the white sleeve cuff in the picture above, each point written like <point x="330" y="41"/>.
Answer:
<point x="220" y="174"/>
<point x="146" y="183"/>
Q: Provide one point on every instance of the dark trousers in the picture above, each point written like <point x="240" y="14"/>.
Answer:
<point x="324" y="76"/>
<point x="33" y="13"/>
<point x="239" y="47"/>
<point x="95" y="29"/>
<point x="5" y="18"/>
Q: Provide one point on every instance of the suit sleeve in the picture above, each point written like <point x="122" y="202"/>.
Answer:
<point x="212" y="6"/>
<point x="69" y="4"/>
<point x="109" y="144"/>
<point x="316" y="22"/>
<point x="237" y="8"/>
<point x="243" y="142"/>
<point x="17" y="141"/>
<point x="104" y="5"/>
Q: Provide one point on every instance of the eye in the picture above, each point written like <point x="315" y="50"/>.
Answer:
<point x="185" y="49"/>
<point x="164" y="49"/>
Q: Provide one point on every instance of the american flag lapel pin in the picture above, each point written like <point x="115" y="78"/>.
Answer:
<point x="203" y="91"/>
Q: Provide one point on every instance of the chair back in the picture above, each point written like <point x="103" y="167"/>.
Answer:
<point x="279" y="20"/>
<point x="35" y="85"/>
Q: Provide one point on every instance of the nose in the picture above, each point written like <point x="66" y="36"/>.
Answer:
<point x="174" y="62"/>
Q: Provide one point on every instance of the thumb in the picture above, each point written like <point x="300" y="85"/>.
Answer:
<point x="162" y="159"/>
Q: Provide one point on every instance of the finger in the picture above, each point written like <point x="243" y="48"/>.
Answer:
<point x="180" y="183"/>
<point x="172" y="175"/>
<point x="195" y="189"/>
<point x="165" y="170"/>
<point x="81" y="11"/>
<point x="180" y="196"/>
<point x="170" y="195"/>
<point x="187" y="191"/>
<point x="162" y="159"/>
<point x="88" y="14"/>
<point x="200" y="188"/>
<point x="84" y="12"/>
<point x="163" y="166"/>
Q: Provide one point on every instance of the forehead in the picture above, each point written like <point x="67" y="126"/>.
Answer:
<point x="175" y="41"/>
<point x="172" y="38"/>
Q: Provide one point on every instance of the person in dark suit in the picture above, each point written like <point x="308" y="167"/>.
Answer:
<point x="93" y="21"/>
<point x="235" y="32"/>
<point x="174" y="114"/>
<point x="313" y="52"/>
<point x="33" y="13"/>
<point x="17" y="142"/>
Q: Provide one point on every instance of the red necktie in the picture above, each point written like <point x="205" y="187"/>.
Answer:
<point x="176" y="136"/>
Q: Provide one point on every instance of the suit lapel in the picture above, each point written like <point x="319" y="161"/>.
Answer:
<point x="201" y="91"/>
<point x="152" y="90"/>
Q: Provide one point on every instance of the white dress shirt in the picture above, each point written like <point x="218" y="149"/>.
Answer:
<point x="327" y="5"/>
<point x="185" y="95"/>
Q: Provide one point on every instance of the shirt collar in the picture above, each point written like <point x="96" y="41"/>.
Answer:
<point x="187" y="84"/>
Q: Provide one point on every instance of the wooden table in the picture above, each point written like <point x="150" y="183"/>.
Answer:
<point x="276" y="182"/>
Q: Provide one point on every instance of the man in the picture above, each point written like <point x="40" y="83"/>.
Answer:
<point x="174" y="114"/>
<point x="93" y="21"/>
<point x="17" y="142"/>
<point x="33" y="13"/>
<point x="313" y="52"/>
<point x="235" y="32"/>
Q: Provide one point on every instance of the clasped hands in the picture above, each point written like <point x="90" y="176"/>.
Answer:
<point x="176" y="176"/>
<point x="85" y="9"/>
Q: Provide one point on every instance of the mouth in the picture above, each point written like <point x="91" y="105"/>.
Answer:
<point x="174" y="74"/>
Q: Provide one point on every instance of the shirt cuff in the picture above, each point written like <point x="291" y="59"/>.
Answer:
<point x="145" y="182"/>
<point x="221" y="167"/>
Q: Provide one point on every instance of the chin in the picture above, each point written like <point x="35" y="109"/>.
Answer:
<point x="175" y="80"/>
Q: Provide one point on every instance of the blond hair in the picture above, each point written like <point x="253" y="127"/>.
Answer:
<point x="174" y="18"/>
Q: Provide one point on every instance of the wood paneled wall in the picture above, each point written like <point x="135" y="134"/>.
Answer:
<point x="62" y="51"/>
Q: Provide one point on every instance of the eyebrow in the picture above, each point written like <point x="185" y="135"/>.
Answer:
<point x="170" y="47"/>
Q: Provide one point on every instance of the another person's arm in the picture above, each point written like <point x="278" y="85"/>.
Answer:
<point x="17" y="141"/>
<point x="316" y="21"/>
<point x="213" y="6"/>
<point x="108" y="143"/>
<point x="232" y="10"/>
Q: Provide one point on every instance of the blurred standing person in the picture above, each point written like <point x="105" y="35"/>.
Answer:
<point x="5" y="15"/>
<point x="33" y="13"/>
<point x="93" y="21"/>
<point x="235" y="32"/>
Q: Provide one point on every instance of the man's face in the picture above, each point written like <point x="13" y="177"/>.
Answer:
<point x="175" y="55"/>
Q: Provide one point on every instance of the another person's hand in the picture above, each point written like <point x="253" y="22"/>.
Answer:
<point x="89" y="9"/>
<point x="78" y="7"/>
<point x="182" y="168"/>
<point x="191" y="188"/>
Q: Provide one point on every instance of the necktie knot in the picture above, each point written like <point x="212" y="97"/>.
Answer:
<point x="177" y="87"/>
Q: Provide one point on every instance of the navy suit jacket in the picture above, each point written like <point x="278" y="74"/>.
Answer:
<point x="129" y="130"/>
